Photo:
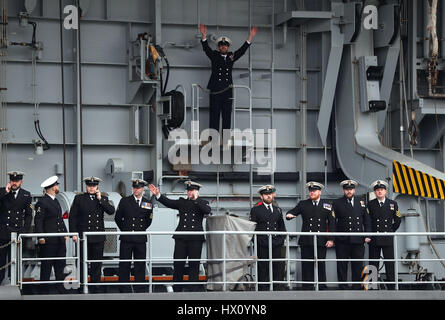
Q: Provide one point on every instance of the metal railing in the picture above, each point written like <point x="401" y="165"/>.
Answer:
<point x="17" y="250"/>
<point x="249" y="260"/>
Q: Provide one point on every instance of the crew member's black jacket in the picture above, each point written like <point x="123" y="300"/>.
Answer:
<point x="315" y="219"/>
<point x="15" y="213"/>
<point x="267" y="221"/>
<point x="351" y="219"/>
<point x="384" y="219"/>
<point x="48" y="219"/>
<point x="191" y="214"/>
<point x="221" y="76"/>
<point x="131" y="217"/>
<point x="87" y="214"/>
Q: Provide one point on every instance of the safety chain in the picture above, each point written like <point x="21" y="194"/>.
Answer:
<point x="2" y="247"/>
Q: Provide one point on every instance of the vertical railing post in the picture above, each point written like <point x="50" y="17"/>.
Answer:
<point x="85" y="263"/>
<point x="270" y="262"/>
<point x="14" y="261"/>
<point x="396" y="264"/>
<point x="315" y="263"/>
<point x="150" y="268"/>
<point x="255" y="244"/>
<point x="288" y="261"/>
<point x="78" y="266"/>
<point x="224" y="261"/>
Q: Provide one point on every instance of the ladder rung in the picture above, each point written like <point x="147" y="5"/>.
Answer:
<point x="244" y="75"/>
<point x="242" y="108"/>
<point x="261" y="79"/>
<point x="262" y="115"/>
<point x="262" y="42"/>
<point x="262" y="98"/>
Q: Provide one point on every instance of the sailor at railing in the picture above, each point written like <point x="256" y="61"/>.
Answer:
<point x="48" y="219"/>
<point x="134" y="213"/>
<point x="317" y="217"/>
<point x="385" y="217"/>
<point x="87" y="214"/>
<point x="269" y="218"/>
<point x="15" y="215"/>
<point x="351" y="216"/>
<point x="191" y="214"/>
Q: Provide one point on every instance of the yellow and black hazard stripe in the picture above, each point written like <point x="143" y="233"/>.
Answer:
<point x="407" y="180"/>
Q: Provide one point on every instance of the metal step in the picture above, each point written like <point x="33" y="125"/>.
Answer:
<point x="266" y="75"/>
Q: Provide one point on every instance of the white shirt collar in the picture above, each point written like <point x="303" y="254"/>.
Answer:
<point x="268" y="205"/>
<point x="137" y="199"/>
<point x="16" y="193"/>
<point x="51" y="196"/>
<point x="383" y="201"/>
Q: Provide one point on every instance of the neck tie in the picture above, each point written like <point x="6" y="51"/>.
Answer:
<point x="350" y="202"/>
<point x="14" y="193"/>
<point x="314" y="203"/>
<point x="381" y="204"/>
<point x="138" y="201"/>
<point x="269" y="208"/>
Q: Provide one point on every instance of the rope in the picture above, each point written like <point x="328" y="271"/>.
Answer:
<point x="412" y="125"/>
<point x="215" y="92"/>
<point x="431" y="27"/>
<point x="6" y="265"/>
<point x="7" y="244"/>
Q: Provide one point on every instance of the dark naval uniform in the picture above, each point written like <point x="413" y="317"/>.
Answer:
<point x="384" y="218"/>
<point x="350" y="218"/>
<point x="133" y="216"/>
<point x="48" y="219"/>
<point x="220" y="79"/>
<point x="15" y="216"/>
<point x="316" y="218"/>
<point x="87" y="214"/>
<point x="191" y="215"/>
<point x="269" y="220"/>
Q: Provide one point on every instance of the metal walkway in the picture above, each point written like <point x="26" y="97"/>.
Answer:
<point x="237" y="296"/>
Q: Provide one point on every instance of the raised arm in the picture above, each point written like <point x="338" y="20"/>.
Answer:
<point x="169" y="203"/>
<point x="105" y="203"/>
<point x="205" y="44"/>
<point x="241" y="51"/>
